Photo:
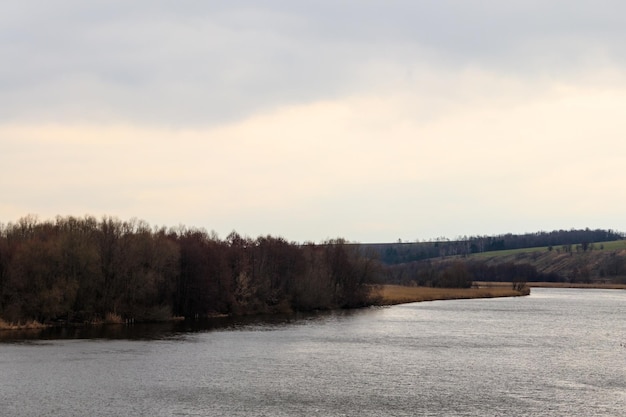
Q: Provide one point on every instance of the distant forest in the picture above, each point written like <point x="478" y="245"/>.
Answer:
<point x="399" y="253"/>
<point x="85" y="270"/>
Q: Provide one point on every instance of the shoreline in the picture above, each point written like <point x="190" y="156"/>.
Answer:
<point x="382" y="295"/>
<point x="597" y="286"/>
<point x="388" y="295"/>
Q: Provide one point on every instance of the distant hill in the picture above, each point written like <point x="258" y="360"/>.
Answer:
<point x="404" y="252"/>
<point x="603" y="261"/>
<point x="584" y="256"/>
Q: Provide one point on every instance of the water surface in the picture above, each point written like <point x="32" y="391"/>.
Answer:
<point x="558" y="352"/>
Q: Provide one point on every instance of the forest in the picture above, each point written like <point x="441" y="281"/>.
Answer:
<point x="88" y="270"/>
<point x="76" y="270"/>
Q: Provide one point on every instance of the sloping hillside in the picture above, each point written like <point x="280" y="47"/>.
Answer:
<point x="593" y="263"/>
<point x="602" y="261"/>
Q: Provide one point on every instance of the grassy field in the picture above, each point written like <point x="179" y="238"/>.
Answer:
<point x="508" y="252"/>
<point x="598" y="246"/>
<point x="397" y="294"/>
<point x="614" y="245"/>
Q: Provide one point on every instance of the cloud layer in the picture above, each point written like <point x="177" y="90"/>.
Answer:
<point x="368" y="120"/>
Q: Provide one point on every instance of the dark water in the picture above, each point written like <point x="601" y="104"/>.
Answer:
<point x="554" y="353"/>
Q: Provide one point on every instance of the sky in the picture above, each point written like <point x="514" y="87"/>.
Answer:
<point x="368" y="120"/>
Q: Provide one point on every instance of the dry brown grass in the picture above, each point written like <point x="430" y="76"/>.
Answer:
<point x="113" y="318"/>
<point x="397" y="294"/>
<point x="28" y="325"/>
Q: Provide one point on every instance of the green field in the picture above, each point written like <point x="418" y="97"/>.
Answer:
<point x="614" y="245"/>
<point x="597" y="246"/>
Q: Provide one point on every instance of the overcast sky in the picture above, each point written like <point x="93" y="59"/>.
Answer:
<point x="369" y="120"/>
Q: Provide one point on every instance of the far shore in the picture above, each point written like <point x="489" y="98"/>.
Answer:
<point x="596" y="285"/>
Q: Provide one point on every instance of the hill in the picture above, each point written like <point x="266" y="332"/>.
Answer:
<point x="600" y="262"/>
<point x="604" y="261"/>
<point x="403" y="252"/>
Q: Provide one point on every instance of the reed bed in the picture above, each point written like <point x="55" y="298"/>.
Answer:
<point x="28" y="325"/>
<point x="397" y="294"/>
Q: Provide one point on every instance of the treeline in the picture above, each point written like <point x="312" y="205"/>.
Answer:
<point x="83" y="270"/>
<point x="463" y="273"/>
<point x="397" y="253"/>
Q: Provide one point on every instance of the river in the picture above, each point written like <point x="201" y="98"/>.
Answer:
<point x="557" y="352"/>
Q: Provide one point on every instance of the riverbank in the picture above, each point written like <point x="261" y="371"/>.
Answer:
<point x="398" y="294"/>
<point x="111" y="319"/>
<point x="596" y="285"/>
<point x="576" y="285"/>
<point x="381" y="295"/>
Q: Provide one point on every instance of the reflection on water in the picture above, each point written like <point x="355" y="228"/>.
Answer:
<point x="555" y="353"/>
<point x="176" y="329"/>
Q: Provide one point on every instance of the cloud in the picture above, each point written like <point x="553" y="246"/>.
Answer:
<point x="367" y="120"/>
<point x="203" y="64"/>
<point x="477" y="154"/>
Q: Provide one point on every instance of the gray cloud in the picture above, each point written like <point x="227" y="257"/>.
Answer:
<point x="193" y="63"/>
